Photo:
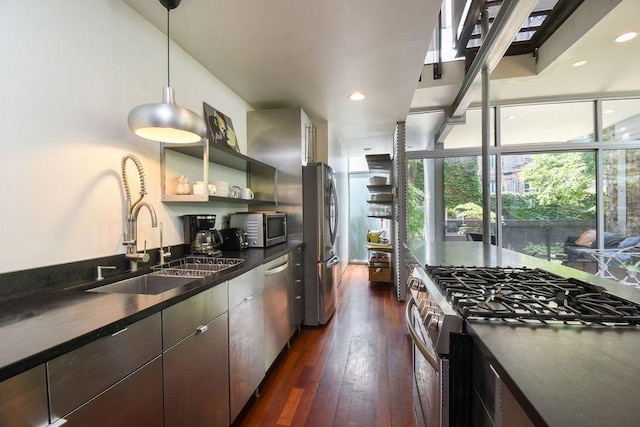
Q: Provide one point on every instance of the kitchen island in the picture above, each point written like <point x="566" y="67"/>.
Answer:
<point x="561" y="375"/>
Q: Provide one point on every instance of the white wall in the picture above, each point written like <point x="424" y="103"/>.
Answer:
<point x="340" y="164"/>
<point x="71" y="72"/>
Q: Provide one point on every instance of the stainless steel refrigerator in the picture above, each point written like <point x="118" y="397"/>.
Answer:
<point x="320" y="215"/>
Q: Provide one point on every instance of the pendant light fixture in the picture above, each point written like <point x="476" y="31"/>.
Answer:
<point x="166" y="121"/>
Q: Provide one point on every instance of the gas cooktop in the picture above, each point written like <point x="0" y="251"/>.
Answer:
<point x="529" y="295"/>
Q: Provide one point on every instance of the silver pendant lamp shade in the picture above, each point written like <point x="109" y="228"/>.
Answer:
<point x="166" y="121"/>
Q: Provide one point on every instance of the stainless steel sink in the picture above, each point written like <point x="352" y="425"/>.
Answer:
<point x="169" y="276"/>
<point x="150" y="284"/>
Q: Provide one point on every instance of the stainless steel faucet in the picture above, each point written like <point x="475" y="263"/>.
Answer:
<point x="131" y="236"/>
<point x="100" y="268"/>
<point x="130" y="239"/>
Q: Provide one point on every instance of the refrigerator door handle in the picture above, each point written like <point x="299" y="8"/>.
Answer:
<point x="333" y="261"/>
<point x="333" y="225"/>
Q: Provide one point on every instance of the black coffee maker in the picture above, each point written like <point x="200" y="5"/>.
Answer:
<point x="201" y="235"/>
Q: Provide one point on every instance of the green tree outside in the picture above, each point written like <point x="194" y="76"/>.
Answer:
<point x="562" y="179"/>
<point x="461" y="183"/>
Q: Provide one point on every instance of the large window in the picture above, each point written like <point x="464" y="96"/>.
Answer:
<point x="462" y="197"/>
<point x="468" y="134"/>
<point x="552" y="166"/>
<point x="621" y="120"/>
<point x="545" y="199"/>
<point x="547" y="123"/>
<point x="622" y="192"/>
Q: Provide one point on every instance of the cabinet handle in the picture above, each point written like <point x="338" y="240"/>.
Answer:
<point x="298" y="264"/>
<point x="298" y="297"/>
<point x="248" y="298"/>
<point x="115" y="334"/>
<point x="277" y="269"/>
<point x="298" y="280"/>
<point x="202" y="329"/>
<point x="58" y="423"/>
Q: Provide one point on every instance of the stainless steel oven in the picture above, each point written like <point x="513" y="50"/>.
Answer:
<point x="442" y="362"/>
<point x="430" y="373"/>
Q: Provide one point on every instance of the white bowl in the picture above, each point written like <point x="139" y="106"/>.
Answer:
<point x="222" y="193"/>
<point x="378" y="180"/>
<point x="220" y="185"/>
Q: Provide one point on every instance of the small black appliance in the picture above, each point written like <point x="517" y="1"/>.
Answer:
<point x="233" y="239"/>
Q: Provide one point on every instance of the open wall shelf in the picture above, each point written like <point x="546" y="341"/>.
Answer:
<point x="260" y="177"/>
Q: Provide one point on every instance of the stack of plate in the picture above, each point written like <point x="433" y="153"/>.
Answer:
<point x="222" y="188"/>
<point x="378" y="180"/>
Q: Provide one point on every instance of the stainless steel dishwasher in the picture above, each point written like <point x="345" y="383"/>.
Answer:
<point x="277" y="279"/>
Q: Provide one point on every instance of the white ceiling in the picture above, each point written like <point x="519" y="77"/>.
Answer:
<point x="312" y="54"/>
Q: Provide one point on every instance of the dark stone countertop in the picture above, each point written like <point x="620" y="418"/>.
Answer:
<point x="37" y="328"/>
<point x="567" y="375"/>
<point x="561" y="375"/>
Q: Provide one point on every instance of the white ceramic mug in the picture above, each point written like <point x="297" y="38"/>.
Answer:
<point x="212" y="189"/>
<point x="234" y="192"/>
<point x="247" y="194"/>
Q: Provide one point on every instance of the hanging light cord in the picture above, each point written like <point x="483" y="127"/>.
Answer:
<point x="168" y="56"/>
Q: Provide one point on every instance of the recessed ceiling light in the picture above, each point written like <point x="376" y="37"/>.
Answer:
<point x="626" y="37"/>
<point x="609" y="111"/>
<point x="579" y="63"/>
<point x="357" y="96"/>
<point x="511" y="117"/>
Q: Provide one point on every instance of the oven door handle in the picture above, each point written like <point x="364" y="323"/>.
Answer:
<point x="431" y="357"/>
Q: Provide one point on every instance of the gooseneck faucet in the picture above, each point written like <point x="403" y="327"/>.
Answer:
<point x="131" y="220"/>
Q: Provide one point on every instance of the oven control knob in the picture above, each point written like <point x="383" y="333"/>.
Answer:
<point x="434" y="323"/>
<point x="427" y="310"/>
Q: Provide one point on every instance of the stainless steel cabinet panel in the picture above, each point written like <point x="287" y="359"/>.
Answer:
<point x="81" y="374"/>
<point x="244" y="285"/>
<point x="283" y="138"/>
<point x="277" y="282"/>
<point x="134" y="401"/>
<point x="297" y="305"/>
<point x="296" y="296"/>
<point x="196" y="378"/>
<point x="246" y="340"/>
<point x="182" y="319"/>
<point x="23" y="399"/>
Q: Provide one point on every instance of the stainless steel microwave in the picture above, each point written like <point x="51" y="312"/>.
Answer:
<point x="263" y="229"/>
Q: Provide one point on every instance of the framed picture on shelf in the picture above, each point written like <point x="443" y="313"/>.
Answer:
<point x="220" y="128"/>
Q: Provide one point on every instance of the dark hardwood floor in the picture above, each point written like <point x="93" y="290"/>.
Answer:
<point x="354" y="371"/>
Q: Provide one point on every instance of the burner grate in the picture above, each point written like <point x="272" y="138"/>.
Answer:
<point x="525" y="294"/>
